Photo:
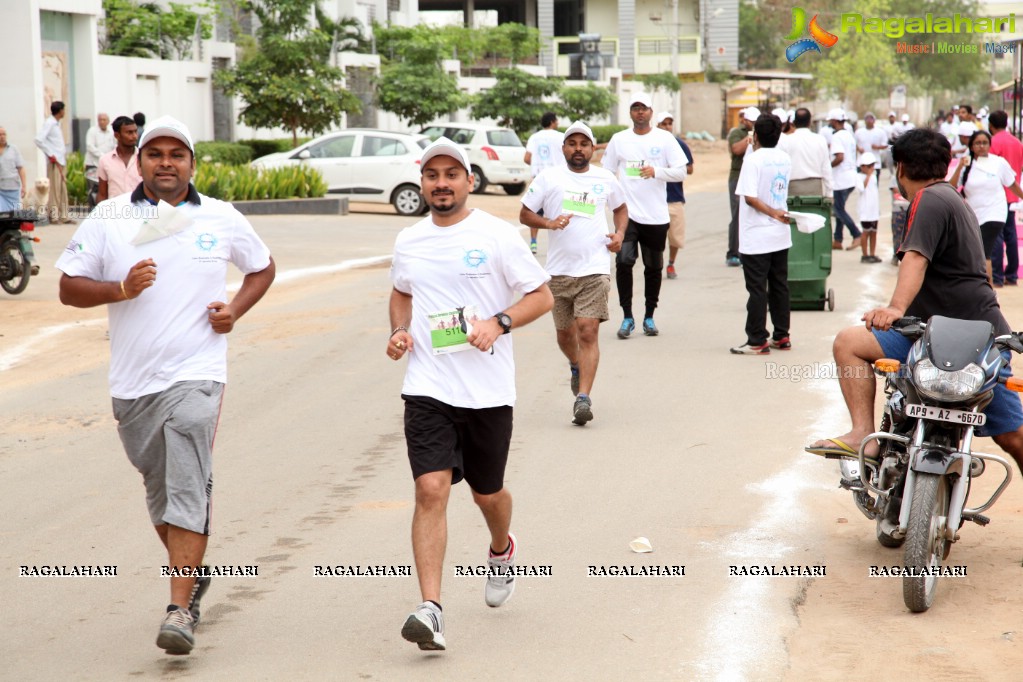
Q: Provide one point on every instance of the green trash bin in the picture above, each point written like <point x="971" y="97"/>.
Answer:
<point x="810" y="258"/>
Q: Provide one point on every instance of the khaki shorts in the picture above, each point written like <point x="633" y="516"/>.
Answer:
<point x="576" y="297"/>
<point x="677" y="224"/>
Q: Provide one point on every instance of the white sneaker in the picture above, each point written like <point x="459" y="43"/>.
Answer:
<point x="176" y="636"/>
<point x="425" y="627"/>
<point x="501" y="582"/>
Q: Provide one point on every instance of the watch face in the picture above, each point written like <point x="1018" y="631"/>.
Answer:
<point x="504" y="321"/>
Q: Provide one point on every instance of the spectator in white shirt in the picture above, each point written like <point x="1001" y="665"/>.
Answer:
<point x="50" y="141"/>
<point x="871" y="139"/>
<point x="98" y="141"/>
<point x="811" y="160"/>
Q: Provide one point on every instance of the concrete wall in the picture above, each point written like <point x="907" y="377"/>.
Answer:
<point x="702" y="109"/>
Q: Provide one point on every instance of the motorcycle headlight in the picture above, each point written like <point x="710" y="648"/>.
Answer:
<point x="937" y="384"/>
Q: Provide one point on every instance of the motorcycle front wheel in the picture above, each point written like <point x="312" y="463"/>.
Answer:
<point x="14" y="267"/>
<point x="925" y="539"/>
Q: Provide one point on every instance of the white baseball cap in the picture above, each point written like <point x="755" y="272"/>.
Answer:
<point x="661" y="117"/>
<point x="866" y="159"/>
<point x="166" y="126"/>
<point x="890" y="114"/>
<point x="905" y="118"/>
<point x="836" y="114"/>
<point x="442" y="146"/>
<point x="582" y="129"/>
<point x="780" y="113"/>
<point x="641" y="98"/>
<point x="751" y="114"/>
<point x="966" y="129"/>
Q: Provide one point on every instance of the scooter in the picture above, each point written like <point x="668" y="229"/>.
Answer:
<point x="917" y="486"/>
<point x="17" y="258"/>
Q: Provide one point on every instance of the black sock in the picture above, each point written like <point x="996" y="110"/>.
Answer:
<point x="493" y="553"/>
<point x="627" y="312"/>
<point x="430" y="601"/>
<point x="650" y="313"/>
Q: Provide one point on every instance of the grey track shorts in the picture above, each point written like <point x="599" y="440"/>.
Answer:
<point x="168" y="437"/>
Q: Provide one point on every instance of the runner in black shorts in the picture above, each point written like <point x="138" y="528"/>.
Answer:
<point x="456" y="275"/>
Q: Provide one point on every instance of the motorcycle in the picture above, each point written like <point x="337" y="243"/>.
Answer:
<point x="92" y="185"/>
<point x="917" y="487"/>
<point x="17" y="258"/>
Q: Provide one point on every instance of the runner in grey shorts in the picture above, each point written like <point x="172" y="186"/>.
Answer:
<point x="165" y="289"/>
<point x="169" y="438"/>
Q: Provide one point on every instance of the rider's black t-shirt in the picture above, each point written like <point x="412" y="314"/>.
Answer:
<point x="944" y="230"/>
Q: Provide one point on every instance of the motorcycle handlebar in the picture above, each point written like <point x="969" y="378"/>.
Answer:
<point x="1012" y="341"/>
<point x="910" y="327"/>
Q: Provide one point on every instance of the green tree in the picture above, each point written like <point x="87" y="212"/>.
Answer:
<point x="130" y="29"/>
<point x="288" y="83"/>
<point x="513" y="41"/>
<point x="583" y="103"/>
<point x="347" y="31"/>
<point x="956" y="73"/>
<point x="667" y="81"/>
<point x="516" y="100"/>
<point x="418" y="93"/>
<point x="177" y="29"/>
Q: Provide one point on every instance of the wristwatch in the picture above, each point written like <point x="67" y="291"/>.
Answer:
<point x="504" y="321"/>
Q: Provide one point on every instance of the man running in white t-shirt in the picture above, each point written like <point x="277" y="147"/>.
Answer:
<point x="644" y="159"/>
<point x="543" y="151"/>
<point x="573" y="200"/>
<point x="456" y="277"/>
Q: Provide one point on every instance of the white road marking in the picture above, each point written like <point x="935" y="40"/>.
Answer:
<point x="727" y="654"/>
<point x="24" y="350"/>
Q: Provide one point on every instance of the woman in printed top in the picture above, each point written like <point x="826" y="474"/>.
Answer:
<point x="981" y="177"/>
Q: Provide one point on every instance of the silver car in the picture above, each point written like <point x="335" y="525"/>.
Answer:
<point x="495" y="154"/>
<point x="377" y="166"/>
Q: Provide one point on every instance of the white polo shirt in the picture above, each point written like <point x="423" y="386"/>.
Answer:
<point x="164" y="336"/>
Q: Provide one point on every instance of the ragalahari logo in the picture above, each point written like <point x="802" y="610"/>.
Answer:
<point x="818" y="36"/>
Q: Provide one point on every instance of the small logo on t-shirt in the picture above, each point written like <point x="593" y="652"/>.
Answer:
<point x="655" y="151"/>
<point x="474" y="258"/>
<point x="74" y="247"/>
<point x="598" y="188"/>
<point x="780" y="189"/>
<point x="206" y="241"/>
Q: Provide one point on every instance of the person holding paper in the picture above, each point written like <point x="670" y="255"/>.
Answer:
<point x="574" y="200"/>
<point x="460" y="381"/>
<point x="765" y="239"/>
<point x="158" y="259"/>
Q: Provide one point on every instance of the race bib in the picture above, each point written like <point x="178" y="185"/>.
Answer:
<point x="582" y="204"/>
<point x="449" y="329"/>
<point x="632" y="169"/>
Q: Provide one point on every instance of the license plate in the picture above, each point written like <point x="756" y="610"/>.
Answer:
<point x="943" y="415"/>
<point x="514" y="171"/>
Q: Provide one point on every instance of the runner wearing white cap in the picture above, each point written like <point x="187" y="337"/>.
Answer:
<point x="643" y="158"/>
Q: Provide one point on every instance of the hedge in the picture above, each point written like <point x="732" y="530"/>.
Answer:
<point x="222" y="152"/>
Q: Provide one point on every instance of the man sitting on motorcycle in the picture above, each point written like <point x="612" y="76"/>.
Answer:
<point x="943" y="272"/>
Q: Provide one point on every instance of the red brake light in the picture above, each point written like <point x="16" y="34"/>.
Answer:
<point x="491" y="154"/>
<point x="28" y="227"/>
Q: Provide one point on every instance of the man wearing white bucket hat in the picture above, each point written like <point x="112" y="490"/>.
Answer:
<point x="457" y="276"/>
<point x="160" y="265"/>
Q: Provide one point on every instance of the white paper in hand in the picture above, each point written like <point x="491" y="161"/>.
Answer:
<point x="168" y="220"/>
<point x="807" y="222"/>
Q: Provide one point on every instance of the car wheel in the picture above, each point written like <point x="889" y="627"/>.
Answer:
<point x="408" y="200"/>
<point x="481" y="180"/>
<point x="514" y="189"/>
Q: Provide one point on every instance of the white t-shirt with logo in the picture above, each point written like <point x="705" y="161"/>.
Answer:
<point x="627" y="153"/>
<point x="844" y="174"/>
<point x="545" y="149"/>
<point x="481" y="264"/>
<point x="581" y="247"/>
<point x="985" y="188"/>
<point x="867" y="138"/>
<point x="765" y="175"/>
<point x="870" y="198"/>
<point x="164" y="336"/>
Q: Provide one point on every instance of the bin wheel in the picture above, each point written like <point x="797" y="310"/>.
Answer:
<point x="831" y="299"/>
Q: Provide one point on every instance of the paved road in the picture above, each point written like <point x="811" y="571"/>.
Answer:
<point x="697" y="450"/>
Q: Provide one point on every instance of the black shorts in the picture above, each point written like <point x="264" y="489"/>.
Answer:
<point x="473" y="443"/>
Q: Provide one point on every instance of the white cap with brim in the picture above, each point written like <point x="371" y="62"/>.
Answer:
<point x="866" y="159"/>
<point x="836" y="115"/>
<point x="890" y="114"/>
<point x="442" y="146"/>
<point x="641" y="98"/>
<point x="582" y="129"/>
<point x="966" y="129"/>
<point x="780" y="113"/>
<point x="751" y="114"/>
<point x="662" y="117"/>
<point x="166" y="126"/>
<point x="905" y="118"/>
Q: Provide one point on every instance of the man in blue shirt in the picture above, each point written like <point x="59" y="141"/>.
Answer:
<point x="676" y="199"/>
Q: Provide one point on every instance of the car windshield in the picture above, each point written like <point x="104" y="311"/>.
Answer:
<point x="433" y="132"/>
<point x="337" y="147"/>
<point x="503" y="138"/>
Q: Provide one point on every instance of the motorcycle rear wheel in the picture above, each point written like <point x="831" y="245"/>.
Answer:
<point x="14" y="267"/>
<point x="925" y="539"/>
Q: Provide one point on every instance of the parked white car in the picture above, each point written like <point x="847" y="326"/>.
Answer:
<point x="495" y="154"/>
<point x="377" y="166"/>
